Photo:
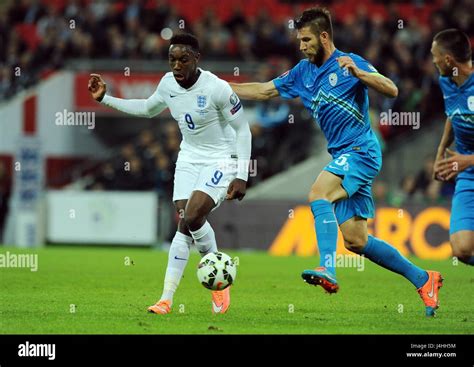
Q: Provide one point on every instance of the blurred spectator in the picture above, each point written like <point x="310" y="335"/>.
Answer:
<point x="433" y="193"/>
<point x="6" y="82"/>
<point x="404" y="192"/>
<point x="380" y="192"/>
<point x="163" y="179"/>
<point x="423" y="178"/>
<point x="106" y="177"/>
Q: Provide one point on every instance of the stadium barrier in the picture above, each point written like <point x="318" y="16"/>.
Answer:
<point x="98" y="217"/>
<point x="285" y="228"/>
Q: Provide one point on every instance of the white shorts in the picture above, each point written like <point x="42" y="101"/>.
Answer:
<point x="212" y="178"/>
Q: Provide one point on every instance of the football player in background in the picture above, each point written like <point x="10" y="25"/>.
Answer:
<point x="452" y="54"/>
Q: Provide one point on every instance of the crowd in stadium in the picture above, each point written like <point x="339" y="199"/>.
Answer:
<point x="100" y="29"/>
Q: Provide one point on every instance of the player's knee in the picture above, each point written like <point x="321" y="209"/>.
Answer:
<point x="461" y="253"/>
<point x="183" y="228"/>
<point x="355" y="242"/>
<point x="193" y="219"/>
<point x="461" y="249"/>
<point x="318" y="193"/>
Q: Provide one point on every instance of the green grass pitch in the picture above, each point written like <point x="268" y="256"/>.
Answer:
<point x="88" y="290"/>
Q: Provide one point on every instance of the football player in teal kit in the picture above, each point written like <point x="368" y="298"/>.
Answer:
<point x="452" y="54"/>
<point x="333" y="86"/>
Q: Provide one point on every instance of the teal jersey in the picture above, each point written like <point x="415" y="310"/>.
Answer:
<point x="459" y="108"/>
<point x="338" y="102"/>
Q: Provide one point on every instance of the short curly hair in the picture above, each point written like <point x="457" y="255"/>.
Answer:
<point x="187" y="39"/>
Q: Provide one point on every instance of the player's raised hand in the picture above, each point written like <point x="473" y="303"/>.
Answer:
<point x="345" y="62"/>
<point x="236" y="190"/>
<point x="449" y="168"/>
<point x="97" y="87"/>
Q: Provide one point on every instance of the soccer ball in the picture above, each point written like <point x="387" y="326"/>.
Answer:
<point x="216" y="271"/>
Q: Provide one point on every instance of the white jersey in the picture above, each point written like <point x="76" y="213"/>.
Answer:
<point x="203" y="113"/>
<point x="209" y="114"/>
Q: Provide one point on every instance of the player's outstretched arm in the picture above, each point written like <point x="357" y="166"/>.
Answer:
<point x="255" y="91"/>
<point x="149" y="107"/>
<point x="373" y="80"/>
<point x="446" y="141"/>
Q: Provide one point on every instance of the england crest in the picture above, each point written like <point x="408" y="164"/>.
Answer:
<point x="201" y="101"/>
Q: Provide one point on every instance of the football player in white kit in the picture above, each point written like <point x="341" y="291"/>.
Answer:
<point x="214" y="154"/>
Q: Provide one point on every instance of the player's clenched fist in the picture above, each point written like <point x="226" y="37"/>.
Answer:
<point x="97" y="87"/>
<point x="236" y="189"/>
<point x="347" y="62"/>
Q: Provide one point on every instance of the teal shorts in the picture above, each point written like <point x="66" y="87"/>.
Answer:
<point x="357" y="170"/>
<point x="462" y="207"/>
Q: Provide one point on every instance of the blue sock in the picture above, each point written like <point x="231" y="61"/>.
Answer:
<point x="381" y="253"/>
<point x="470" y="261"/>
<point x="326" y="232"/>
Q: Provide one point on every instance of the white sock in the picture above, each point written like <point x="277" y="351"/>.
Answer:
<point x="205" y="239"/>
<point x="177" y="259"/>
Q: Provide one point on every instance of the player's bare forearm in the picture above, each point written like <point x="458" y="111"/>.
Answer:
<point x="255" y="91"/>
<point x="447" y="138"/>
<point x="446" y="141"/>
<point x="471" y="160"/>
<point x="379" y="83"/>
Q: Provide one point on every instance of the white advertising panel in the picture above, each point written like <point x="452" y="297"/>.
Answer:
<point x="99" y="217"/>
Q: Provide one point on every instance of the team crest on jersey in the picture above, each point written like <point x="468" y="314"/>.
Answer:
<point x="201" y="101"/>
<point x="470" y="103"/>
<point x="333" y="79"/>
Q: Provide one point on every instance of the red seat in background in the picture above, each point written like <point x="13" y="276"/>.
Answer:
<point x="28" y="34"/>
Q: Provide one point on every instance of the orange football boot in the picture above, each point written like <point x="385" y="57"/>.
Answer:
<point x="429" y="292"/>
<point x="161" y="307"/>
<point x="221" y="300"/>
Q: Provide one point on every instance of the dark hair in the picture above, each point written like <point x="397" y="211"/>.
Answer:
<point x="456" y="43"/>
<point x="185" y="39"/>
<point x="318" y="19"/>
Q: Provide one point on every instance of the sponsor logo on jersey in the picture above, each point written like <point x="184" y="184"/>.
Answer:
<point x="201" y="101"/>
